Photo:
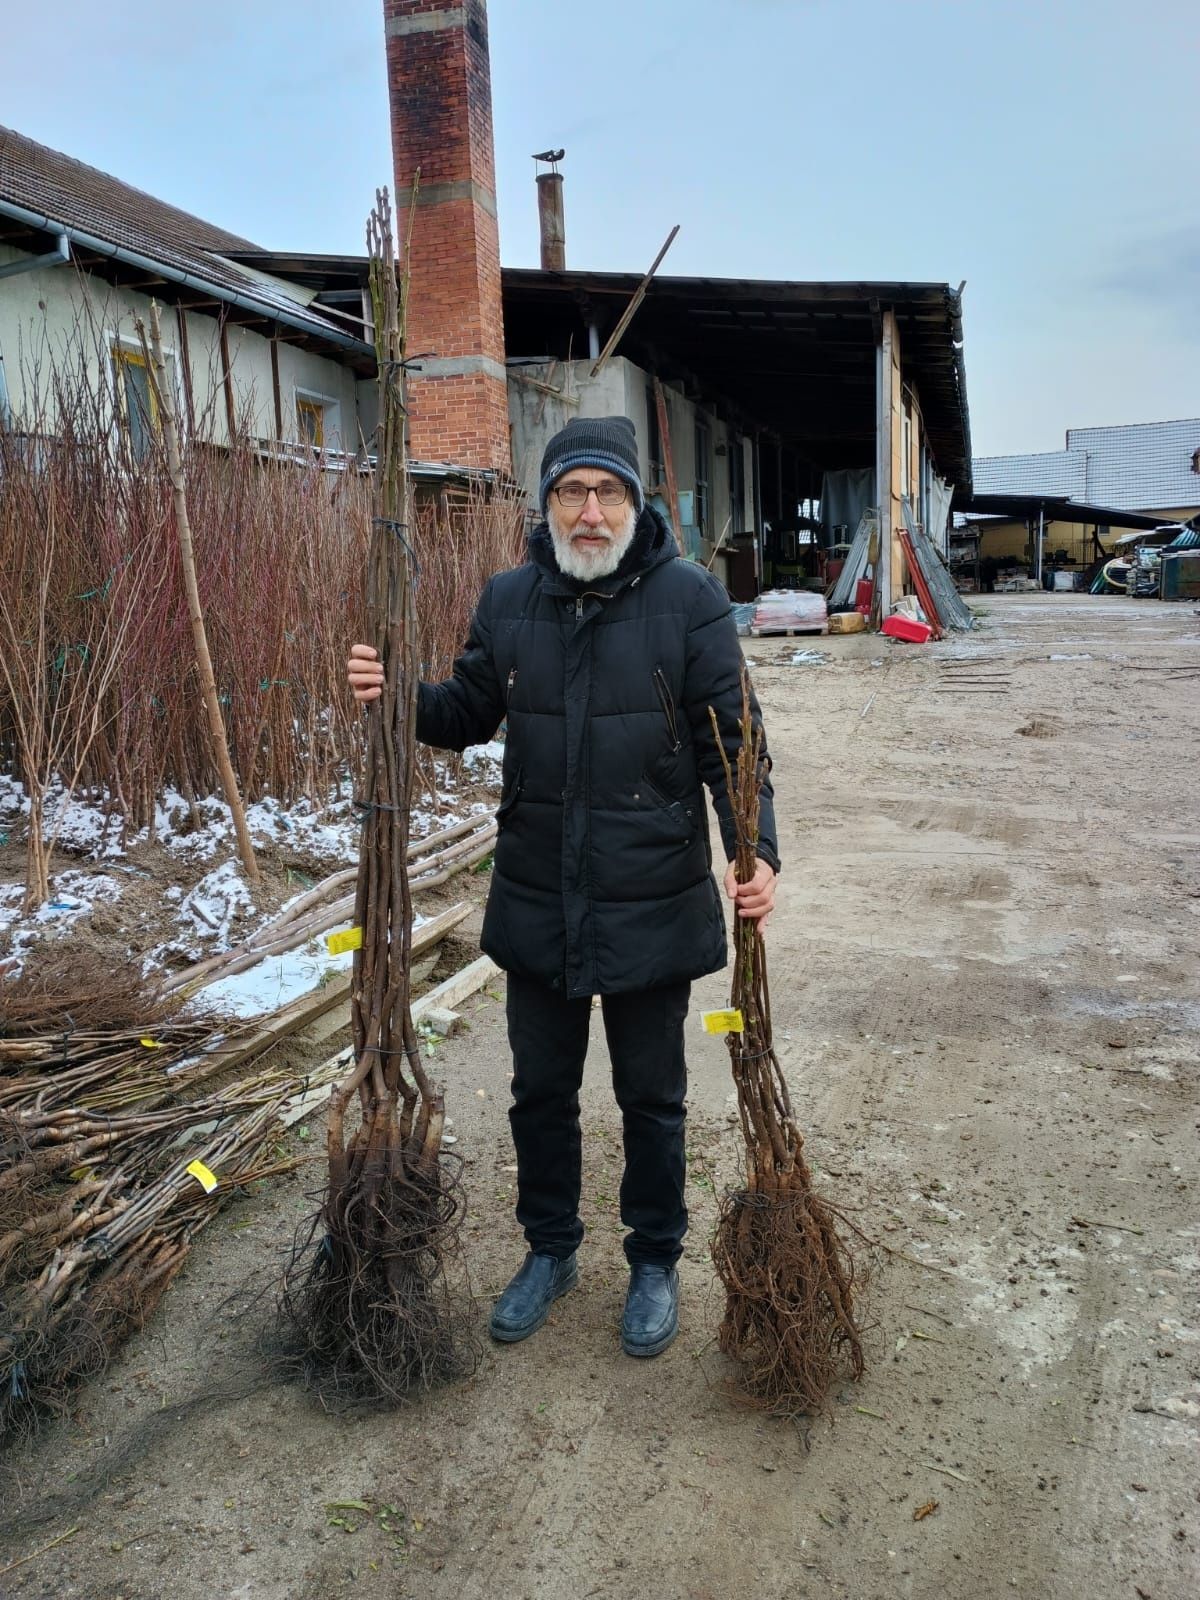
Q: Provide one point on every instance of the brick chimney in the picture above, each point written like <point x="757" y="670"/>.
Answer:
<point x="439" y="87"/>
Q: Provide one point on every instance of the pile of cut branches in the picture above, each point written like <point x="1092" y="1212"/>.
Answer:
<point x="366" y="1313"/>
<point x="790" y="1319"/>
<point x="97" y="1214"/>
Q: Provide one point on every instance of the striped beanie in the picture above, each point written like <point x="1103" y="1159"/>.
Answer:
<point x="608" y="443"/>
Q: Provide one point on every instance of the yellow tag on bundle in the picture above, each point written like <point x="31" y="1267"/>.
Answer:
<point x="348" y="939"/>
<point x="203" y="1176"/>
<point x="152" y="1044"/>
<point x="722" y="1021"/>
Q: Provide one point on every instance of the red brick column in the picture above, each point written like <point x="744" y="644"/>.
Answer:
<point x="439" y="86"/>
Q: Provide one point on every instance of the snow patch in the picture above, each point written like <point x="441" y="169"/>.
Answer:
<point x="216" y="902"/>
<point x="274" y="982"/>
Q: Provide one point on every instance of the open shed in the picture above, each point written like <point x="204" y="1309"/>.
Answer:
<point x="833" y="393"/>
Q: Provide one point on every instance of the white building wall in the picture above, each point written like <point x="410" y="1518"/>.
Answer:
<point x="56" y="316"/>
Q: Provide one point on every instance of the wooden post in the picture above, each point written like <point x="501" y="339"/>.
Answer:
<point x="889" y="582"/>
<point x="275" y="393"/>
<point x="187" y="561"/>
<point x="664" y="439"/>
<point x="227" y="378"/>
<point x="185" y="363"/>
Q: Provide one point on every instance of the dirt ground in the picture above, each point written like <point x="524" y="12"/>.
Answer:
<point x="984" y="971"/>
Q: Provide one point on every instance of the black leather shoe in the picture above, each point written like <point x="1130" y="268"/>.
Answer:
<point x="526" y="1302"/>
<point x="651" y="1317"/>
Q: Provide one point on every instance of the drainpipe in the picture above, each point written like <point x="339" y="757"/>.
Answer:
<point x="593" y="342"/>
<point x="57" y="257"/>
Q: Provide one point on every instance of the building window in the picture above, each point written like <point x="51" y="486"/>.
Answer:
<point x="135" y="399"/>
<point x="310" y="422"/>
<point x="318" y="422"/>
<point x="703" y="456"/>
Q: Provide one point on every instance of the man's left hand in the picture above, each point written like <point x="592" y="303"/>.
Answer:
<point x="756" y="897"/>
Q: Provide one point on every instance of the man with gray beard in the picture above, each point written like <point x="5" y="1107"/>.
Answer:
<point x="602" y="653"/>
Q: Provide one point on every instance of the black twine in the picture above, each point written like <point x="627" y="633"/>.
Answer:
<point x="374" y="805"/>
<point x="400" y="529"/>
<point x="756" y="1055"/>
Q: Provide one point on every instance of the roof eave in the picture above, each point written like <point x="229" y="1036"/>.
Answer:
<point x="247" y="301"/>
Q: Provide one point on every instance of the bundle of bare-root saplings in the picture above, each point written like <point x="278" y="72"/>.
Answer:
<point x="366" y="1313"/>
<point x="790" y="1317"/>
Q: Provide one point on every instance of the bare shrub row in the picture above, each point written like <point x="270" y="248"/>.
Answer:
<point x="98" y="684"/>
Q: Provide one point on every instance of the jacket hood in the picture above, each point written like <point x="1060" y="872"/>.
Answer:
<point x="652" y="543"/>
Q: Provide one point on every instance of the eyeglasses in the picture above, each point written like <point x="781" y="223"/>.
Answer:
<point x="608" y="494"/>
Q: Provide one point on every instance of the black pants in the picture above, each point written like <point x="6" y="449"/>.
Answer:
<point x="549" y="1038"/>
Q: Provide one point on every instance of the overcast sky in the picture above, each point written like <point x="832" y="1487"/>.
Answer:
<point x="1045" y="152"/>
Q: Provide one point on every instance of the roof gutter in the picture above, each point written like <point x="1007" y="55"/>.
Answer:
<point x="187" y="280"/>
<point x="57" y="257"/>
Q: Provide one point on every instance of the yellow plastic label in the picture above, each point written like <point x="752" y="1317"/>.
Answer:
<point x="152" y="1044"/>
<point x="203" y="1176"/>
<point x="348" y="939"/>
<point x="722" y="1021"/>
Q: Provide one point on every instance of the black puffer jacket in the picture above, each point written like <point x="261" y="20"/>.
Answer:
<point x="602" y="877"/>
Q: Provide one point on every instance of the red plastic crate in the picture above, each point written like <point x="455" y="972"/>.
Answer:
<point x="905" y="628"/>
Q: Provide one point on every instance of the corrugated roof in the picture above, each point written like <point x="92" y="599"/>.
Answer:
<point x="1061" y="472"/>
<point x="1147" y="465"/>
<point x="74" y="195"/>
<point x="1140" y="466"/>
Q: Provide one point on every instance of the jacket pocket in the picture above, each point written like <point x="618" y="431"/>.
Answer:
<point x="667" y="701"/>
<point x="509" y="800"/>
<point x="682" y="817"/>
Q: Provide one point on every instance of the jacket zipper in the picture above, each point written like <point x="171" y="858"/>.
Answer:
<point x="668" y="705"/>
<point x="588" y="594"/>
<point x="508" y="687"/>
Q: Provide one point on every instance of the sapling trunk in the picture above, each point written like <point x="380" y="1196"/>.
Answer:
<point x="165" y="398"/>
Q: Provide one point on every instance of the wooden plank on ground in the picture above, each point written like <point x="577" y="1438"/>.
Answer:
<point x="456" y="989"/>
<point x="337" y="992"/>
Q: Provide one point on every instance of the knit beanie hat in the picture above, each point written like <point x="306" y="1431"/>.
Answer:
<point x="609" y="443"/>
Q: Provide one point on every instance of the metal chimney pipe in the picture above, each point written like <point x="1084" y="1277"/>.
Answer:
<point x="551" y="221"/>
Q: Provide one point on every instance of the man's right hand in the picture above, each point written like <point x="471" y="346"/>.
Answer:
<point x="365" y="672"/>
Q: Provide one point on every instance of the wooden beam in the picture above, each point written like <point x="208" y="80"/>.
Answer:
<point x="664" y="441"/>
<point x="227" y="378"/>
<point x="627" y="315"/>
<point x="185" y="362"/>
<point x="275" y="387"/>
